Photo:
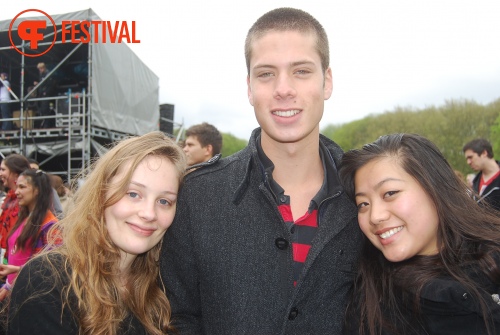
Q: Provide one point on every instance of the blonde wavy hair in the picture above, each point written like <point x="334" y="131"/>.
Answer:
<point x="91" y="258"/>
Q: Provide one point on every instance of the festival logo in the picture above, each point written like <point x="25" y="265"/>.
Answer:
<point x="40" y="35"/>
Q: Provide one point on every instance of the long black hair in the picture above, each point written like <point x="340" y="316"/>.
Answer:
<point x="40" y="181"/>
<point x="467" y="234"/>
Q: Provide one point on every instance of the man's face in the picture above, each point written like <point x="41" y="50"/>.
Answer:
<point x="287" y="87"/>
<point x="195" y="153"/>
<point x="474" y="160"/>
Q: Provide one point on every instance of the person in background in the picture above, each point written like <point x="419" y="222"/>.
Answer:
<point x="431" y="254"/>
<point x="5" y="108"/>
<point x="10" y="169"/>
<point x="67" y="197"/>
<point x="30" y="233"/>
<point x="57" y="207"/>
<point x="34" y="164"/>
<point x="103" y="278"/>
<point x="203" y="141"/>
<point x="265" y="240"/>
<point x="58" y="185"/>
<point x="46" y="90"/>
<point x="479" y="156"/>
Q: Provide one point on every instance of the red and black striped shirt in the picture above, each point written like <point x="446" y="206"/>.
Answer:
<point x="302" y="230"/>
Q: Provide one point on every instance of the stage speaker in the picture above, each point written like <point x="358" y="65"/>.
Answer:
<point x="167" y="118"/>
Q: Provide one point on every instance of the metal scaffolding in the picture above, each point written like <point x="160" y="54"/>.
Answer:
<point x="104" y="94"/>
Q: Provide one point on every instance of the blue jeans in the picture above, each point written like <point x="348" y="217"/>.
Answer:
<point x="6" y="114"/>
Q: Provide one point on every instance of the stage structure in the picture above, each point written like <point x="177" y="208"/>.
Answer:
<point x="104" y="93"/>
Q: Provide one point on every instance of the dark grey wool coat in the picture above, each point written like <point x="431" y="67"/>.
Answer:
<point x="227" y="264"/>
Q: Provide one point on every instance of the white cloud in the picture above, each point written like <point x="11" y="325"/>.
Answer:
<point x="384" y="53"/>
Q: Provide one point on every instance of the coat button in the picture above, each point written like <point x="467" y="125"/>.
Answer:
<point x="293" y="314"/>
<point x="281" y="243"/>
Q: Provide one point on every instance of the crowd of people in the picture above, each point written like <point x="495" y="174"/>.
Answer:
<point x="291" y="235"/>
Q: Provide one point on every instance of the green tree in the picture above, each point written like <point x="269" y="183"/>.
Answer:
<point x="231" y="144"/>
<point x="449" y="126"/>
<point x="495" y="130"/>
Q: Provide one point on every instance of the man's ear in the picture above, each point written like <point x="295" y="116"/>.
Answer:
<point x="249" y="91"/>
<point x="210" y="150"/>
<point x="328" y="84"/>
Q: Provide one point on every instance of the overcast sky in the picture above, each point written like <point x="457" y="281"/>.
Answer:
<point x="384" y="53"/>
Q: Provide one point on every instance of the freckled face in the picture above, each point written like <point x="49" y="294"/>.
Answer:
<point x="138" y="221"/>
<point x="394" y="212"/>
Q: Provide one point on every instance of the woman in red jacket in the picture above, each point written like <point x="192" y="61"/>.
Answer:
<point x="10" y="169"/>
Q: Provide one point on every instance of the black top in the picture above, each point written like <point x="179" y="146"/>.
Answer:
<point x="36" y="305"/>
<point x="446" y="308"/>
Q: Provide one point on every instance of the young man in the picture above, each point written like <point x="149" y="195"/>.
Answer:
<point x="203" y="141"/>
<point x="479" y="156"/>
<point x="47" y="89"/>
<point x="265" y="241"/>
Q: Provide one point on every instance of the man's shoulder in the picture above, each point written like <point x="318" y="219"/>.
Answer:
<point x="221" y="168"/>
<point x="334" y="149"/>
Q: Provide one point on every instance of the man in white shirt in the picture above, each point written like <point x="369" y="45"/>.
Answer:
<point x="4" y="106"/>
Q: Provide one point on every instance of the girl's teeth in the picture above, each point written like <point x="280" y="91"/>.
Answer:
<point x="391" y="232"/>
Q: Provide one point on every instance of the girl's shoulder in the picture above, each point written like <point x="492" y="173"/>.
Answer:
<point x="446" y="291"/>
<point x="448" y="307"/>
<point x="42" y="275"/>
<point x="46" y="259"/>
<point x="447" y="295"/>
<point x="49" y="265"/>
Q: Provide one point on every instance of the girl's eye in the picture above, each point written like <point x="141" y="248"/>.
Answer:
<point x="133" y="194"/>
<point x="362" y="205"/>
<point x="164" y="202"/>
<point x="390" y="194"/>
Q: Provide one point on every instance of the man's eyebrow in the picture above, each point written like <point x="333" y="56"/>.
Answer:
<point x="263" y="66"/>
<point x="302" y="62"/>
<point x="297" y="63"/>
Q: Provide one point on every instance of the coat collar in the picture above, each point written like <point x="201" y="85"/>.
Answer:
<point x="332" y="153"/>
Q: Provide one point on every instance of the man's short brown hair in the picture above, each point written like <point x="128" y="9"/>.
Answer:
<point x="289" y="19"/>
<point x="206" y="134"/>
<point x="479" y="145"/>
